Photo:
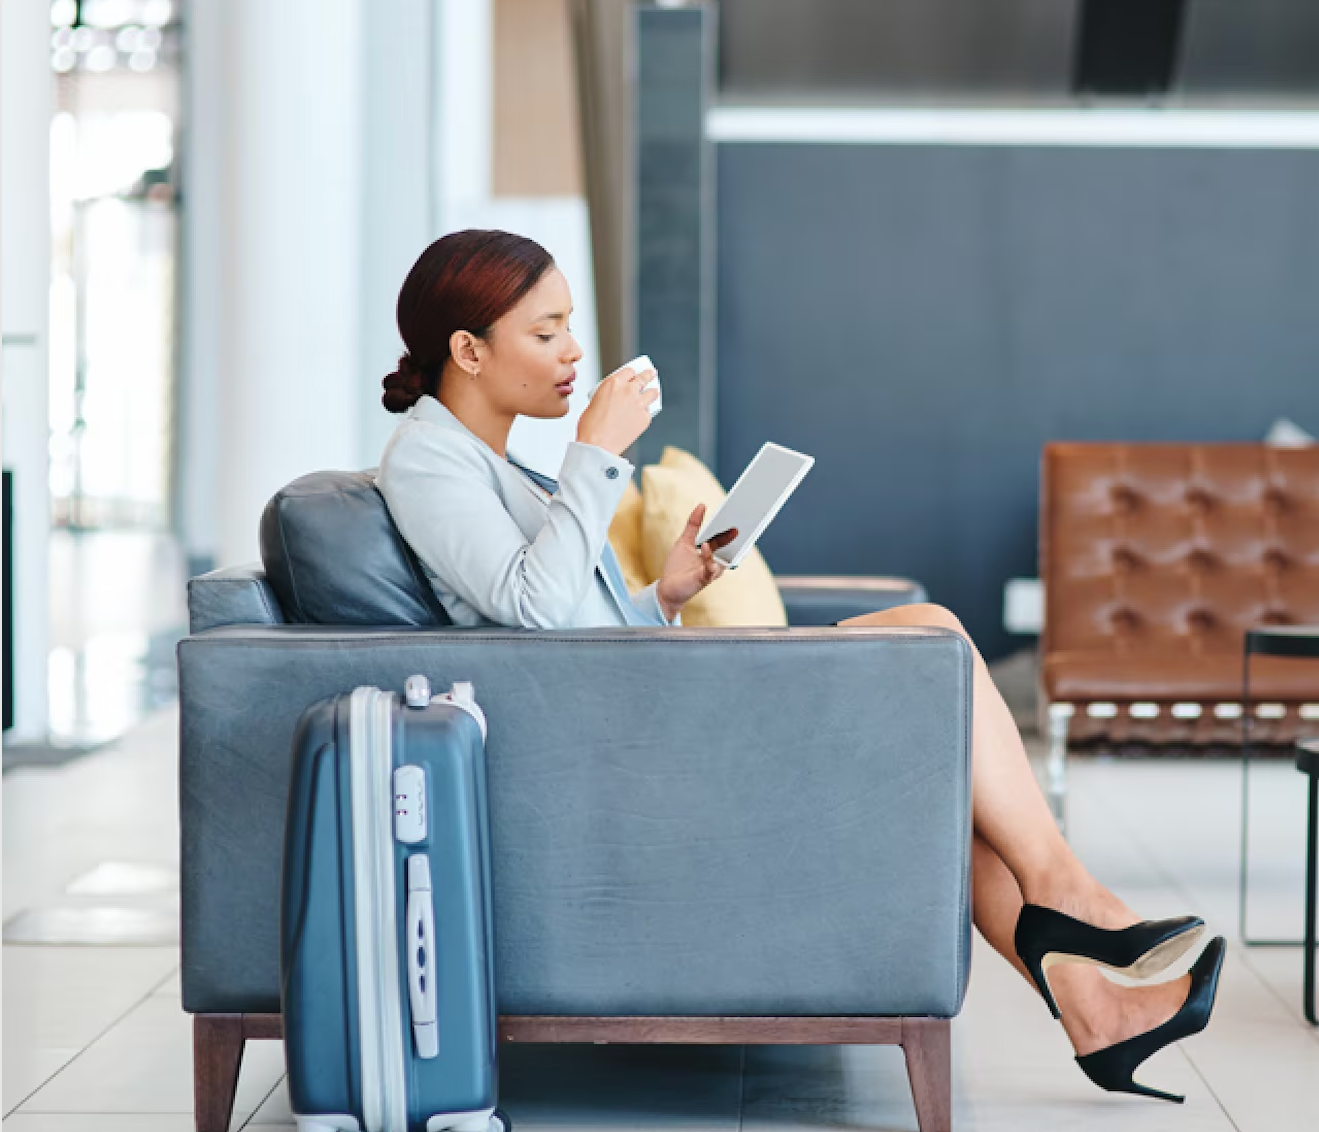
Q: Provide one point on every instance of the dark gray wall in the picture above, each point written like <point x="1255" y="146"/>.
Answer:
<point x="923" y="319"/>
<point x="674" y="214"/>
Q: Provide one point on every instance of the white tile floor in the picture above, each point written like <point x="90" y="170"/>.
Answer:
<point x="95" y="1041"/>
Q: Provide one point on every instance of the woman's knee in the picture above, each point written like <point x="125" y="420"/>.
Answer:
<point x="919" y="615"/>
<point x="927" y="613"/>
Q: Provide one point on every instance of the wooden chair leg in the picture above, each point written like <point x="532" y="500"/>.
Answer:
<point x="217" y="1055"/>
<point x="927" y="1046"/>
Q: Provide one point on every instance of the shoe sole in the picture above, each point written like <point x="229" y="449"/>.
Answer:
<point x="1153" y="962"/>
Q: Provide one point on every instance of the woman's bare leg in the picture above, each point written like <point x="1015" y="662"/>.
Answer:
<point x="1020" y="855"/>
<point x="1009" y="810"/>
<point x="1096" y="1011"/>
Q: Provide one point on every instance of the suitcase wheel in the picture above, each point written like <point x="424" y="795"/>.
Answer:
<point x="500" y="1122"/>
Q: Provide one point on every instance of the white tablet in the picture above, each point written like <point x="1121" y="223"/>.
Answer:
<point x="755" y="499"/>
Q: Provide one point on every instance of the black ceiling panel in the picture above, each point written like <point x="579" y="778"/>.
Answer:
<point x="1023" y="51"/>
<point x="1128" y="47"/>
<point x="1250" y="48"/>
<point x="896" y="48"/>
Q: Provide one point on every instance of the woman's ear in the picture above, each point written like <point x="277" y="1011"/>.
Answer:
<point x="464" y="349"/>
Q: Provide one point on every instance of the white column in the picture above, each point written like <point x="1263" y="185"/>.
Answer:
<point x="466" y="93"/>
<point x="400" y="209"/>
<point x="273" y="362"/>
<point x="25" y="109"/>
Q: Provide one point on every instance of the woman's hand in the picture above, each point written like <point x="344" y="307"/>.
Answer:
<point x="619" y="411"/>
<point x="690" y="568"/>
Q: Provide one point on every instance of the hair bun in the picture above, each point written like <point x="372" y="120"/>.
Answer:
<point x="405" y="386"/>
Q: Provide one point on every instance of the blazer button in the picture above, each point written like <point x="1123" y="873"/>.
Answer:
<point x="611" y="473"/>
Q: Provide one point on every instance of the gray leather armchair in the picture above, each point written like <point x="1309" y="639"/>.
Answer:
<point x="700" y="835"/>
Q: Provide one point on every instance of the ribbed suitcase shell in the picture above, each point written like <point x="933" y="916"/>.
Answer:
<point x="319" y="931"/>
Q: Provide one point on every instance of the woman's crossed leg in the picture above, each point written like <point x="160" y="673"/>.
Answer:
<point x="1019" y="855"/>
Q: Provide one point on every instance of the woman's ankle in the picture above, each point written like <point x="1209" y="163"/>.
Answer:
<point x="1082" y="897"/>
<point x="1088" y="1003"/>
<point x="1099" y="1017"/>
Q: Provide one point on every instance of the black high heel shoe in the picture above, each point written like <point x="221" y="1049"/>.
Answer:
<point x="1111" y="1068"/>
<point x="1045" y="938"/>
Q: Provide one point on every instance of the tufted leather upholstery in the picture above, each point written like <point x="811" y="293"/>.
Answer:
<point x="1156" y="558"/>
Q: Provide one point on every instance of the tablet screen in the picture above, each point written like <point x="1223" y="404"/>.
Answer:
<point x="756" y="498"/>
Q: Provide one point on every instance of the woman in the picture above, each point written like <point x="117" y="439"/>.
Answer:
<point x="484" y="317"/>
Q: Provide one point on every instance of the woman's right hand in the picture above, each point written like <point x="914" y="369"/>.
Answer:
<point x="619" y="411"/>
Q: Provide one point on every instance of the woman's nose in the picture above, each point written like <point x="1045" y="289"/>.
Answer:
<point x="575" y="350"/>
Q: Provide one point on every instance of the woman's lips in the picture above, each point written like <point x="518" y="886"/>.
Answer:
<point x="565" y="387"/>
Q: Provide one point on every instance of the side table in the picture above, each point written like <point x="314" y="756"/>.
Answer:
<point x="1307" y="762"/>
<point x="1296" y="641"/>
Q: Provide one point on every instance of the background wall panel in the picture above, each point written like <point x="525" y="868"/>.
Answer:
<point x="922" y="319"/>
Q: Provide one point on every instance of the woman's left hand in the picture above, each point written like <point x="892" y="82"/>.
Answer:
<point x="690" y="568"/>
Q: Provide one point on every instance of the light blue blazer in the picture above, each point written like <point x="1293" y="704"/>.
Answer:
<point x="498" y="548"/>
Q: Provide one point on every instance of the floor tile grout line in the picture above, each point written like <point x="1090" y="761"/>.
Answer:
<point x="261" y="1103"/>
<point x="1162" y="871"/>
<point x="1311" y="1031"/>
<point x="96" y="1038"/>
<point x="1205" y="1080"/>
<point x="1241" y="951"/>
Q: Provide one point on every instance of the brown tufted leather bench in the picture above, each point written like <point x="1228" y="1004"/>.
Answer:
<point x="1155" y="560"/>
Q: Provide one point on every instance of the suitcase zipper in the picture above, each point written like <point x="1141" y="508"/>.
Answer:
<point x="381" y="1054"/>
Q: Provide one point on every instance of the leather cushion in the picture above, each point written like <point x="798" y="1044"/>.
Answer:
<point x="1174" y="550"/>
<point x="334" y="557"/>
<point x="1156" y="559"/>
<point x="1170" y="677"/>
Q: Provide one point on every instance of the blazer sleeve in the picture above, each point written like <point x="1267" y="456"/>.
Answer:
<point x="647" y="601"/>
<point x="443" y="500"/>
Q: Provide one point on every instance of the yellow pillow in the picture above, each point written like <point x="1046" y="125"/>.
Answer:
<point x="669" y="493"/>
<point x="625" y="538"/>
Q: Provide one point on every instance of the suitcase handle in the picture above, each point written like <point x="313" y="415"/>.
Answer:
<point x="420" y="947"/>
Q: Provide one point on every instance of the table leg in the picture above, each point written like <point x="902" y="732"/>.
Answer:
<point x="1311" y="868"/>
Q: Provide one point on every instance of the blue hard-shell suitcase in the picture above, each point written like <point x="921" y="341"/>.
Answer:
<point x="386" y="957"/>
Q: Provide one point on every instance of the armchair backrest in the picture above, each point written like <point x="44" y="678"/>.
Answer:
<point x="333" y="556"/>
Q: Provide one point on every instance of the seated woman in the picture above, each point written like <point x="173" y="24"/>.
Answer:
<point x="485" y="320"/>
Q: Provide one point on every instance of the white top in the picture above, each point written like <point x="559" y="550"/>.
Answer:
<point x="498" y="549"/>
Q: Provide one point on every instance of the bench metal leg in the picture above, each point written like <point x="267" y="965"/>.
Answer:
<point x="1060" y="718"/>
<point x="1311" y="867"/>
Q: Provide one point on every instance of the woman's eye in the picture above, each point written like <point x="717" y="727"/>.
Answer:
<point x="545" y="337"/>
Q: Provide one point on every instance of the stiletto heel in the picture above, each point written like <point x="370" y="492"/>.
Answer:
<point x="1045" y="938"/>
<point x="1111" y="1068"/>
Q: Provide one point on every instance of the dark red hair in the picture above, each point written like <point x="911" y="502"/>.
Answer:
<point x="464" y="281"/>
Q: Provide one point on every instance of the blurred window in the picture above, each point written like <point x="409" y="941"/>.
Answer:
<point x="114" y="212"/>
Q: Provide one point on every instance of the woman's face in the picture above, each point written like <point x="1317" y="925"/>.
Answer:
<point x="530" y="352"/>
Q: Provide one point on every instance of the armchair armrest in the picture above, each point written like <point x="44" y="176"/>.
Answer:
<point x="237" y="595"/>
<point x="684" y="821"/>
<point x="822" y="600"/>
